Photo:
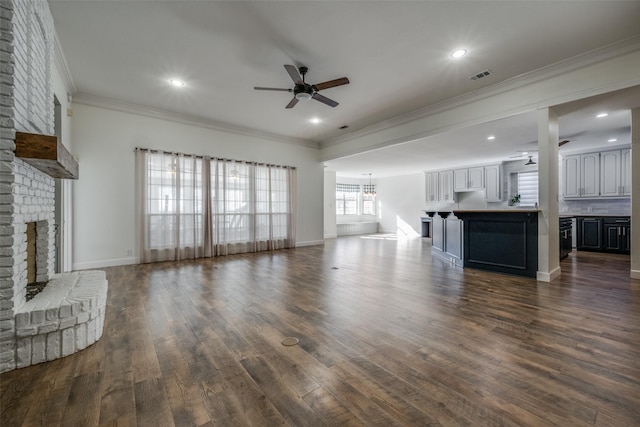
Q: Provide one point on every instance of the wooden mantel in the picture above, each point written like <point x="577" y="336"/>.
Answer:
<point x="46" y="154"/>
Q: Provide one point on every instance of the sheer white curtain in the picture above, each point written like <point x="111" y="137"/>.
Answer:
<point x="171" y="200"/>
<point x="192" y="207"/>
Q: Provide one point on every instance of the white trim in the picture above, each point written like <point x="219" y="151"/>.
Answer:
<point x="104" y="263"/>
<point x="112" y="104"/>
<point x="635" y="274"/>
<point x="559" y="68"/>
<point x="62" y="65"/>
<point x="548" y="277"/>
<point x="330" y="236"/>
<point x="309" y="243"/>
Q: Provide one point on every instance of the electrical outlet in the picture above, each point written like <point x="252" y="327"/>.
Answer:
<point x="589" y="209"/>
<point x="129" y="252"/>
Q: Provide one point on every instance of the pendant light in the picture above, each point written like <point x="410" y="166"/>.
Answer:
<point x="369" y="191"/>
<point x="530" y="162"/>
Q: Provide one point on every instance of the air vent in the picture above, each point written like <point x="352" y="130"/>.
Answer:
<point x="343" y="127"/>
<point x="480" y="75"/>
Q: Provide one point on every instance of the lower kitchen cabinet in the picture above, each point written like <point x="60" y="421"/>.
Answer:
<point x="617" y="236"/>
<point x="589" y="234"/>
<point x="604" y="234"/>
<point x="446" y="241"/>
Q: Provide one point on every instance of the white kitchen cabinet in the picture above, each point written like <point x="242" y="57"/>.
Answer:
<point x="571" y="176"/>
<point x="492" y="181"/>
<point x="468" y="179"/>
<point x="590" y="174"/>
<point x="431" y="187"/>
<point x="445" y="181"/>
<point x="625" y="172"/>
<point x="610" y="173"/>
<point x="581" y="176"/>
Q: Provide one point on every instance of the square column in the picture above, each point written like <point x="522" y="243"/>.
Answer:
<point x="548" y="188"/>
<point x="635" y="193"/>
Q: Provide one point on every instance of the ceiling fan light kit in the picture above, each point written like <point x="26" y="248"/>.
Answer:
<point x="303" y="91"/>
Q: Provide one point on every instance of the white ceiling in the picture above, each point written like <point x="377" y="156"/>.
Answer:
<point x="395" y="53"/>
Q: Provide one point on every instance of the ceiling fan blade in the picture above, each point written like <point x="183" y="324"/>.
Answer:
<point x="292" y="103"/>
<point x="561" y="143"/>
<point x="271" y="88"/>
<point x="325" y="100"/>
<point x="293" y="72"/>
<point x="331" y="83"/>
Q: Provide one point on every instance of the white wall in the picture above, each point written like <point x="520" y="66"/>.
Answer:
<point x="330" y="229"/>
<point x="400" y="204"/>
<point x="104" y="197"/>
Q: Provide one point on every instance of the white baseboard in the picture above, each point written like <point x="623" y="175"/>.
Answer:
<point x="330" y="236"/>
<point x="309" y="243"/>
<point x="635" y="274"/>
<point x="104" y="263"/>
<point x="548" y="277"/>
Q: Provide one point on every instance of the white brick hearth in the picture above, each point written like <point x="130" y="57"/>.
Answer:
<point x="67" y="316"/>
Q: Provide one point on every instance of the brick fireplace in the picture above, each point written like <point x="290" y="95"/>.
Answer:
<point x="66" y="317"/>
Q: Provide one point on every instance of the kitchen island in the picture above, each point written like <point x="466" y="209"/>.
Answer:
<point x="504" y="241"/>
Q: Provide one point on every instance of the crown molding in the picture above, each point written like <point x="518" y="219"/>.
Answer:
<point x="580" y="61"/>
<point x="62" y="65"/>
<point x="112" y="104"/>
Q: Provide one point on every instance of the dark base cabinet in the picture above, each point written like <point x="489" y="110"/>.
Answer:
<point x="589" y="234"/>
<point x="617" y="235"/>
<point x="505" y="242"/>
<point x="566" y="237"/>
<point x="607" y="234"/>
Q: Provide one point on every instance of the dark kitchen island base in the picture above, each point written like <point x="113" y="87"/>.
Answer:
<point x="504" y="241"/>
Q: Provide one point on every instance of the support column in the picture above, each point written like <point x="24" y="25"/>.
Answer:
<point x="635" y="193"/>
<point x="548" y="188"/>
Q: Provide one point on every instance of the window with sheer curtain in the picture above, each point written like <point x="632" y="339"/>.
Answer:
<point x="193" y="206"/>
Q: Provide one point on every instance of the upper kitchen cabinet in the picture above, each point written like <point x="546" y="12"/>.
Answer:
<point x="581" y="176"/>
<point x="594" y="175"/>
<point x="610" y="173"/>
<point x="431" y="186"/>
<point x="468" y="179"/>
<point x="625" y="171"/>
<point x="445" y="181"/>
<point x="439" y="187"/>
<point x="492" y="180"/>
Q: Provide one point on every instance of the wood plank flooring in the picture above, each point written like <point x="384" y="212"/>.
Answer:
<point x="388" y="337"/>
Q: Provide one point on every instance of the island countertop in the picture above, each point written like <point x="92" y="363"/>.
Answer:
<point x="482" y="211"/>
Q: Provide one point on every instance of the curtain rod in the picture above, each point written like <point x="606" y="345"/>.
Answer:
<point x="197" y="156"/>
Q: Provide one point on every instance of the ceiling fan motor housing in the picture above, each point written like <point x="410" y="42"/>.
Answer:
<point x="303" y="91"/>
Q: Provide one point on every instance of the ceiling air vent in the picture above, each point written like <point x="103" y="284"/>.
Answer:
<point x="343" y="127"/>
<point x="480" y="75"/>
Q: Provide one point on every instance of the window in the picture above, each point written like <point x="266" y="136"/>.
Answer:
<point x="194" y="206"/>
<point x="347" y="199"/>
<point x="528" y="188"/>
<point x="355" y="199"/>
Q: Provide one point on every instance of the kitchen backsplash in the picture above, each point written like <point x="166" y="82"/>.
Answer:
<point x="596" y="206"/>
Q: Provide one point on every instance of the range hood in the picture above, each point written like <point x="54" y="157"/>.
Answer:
<point x="46" y="154"/>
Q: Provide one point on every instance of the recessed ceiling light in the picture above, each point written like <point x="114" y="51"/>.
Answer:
<point x="524" y="153"/>
<point x="601" y="115"/>
<point x="613" y="140"/>
<point x="315" y="120"/>
<point x="458" y="53"/>
<point x="491" y="137"/>
<point x="176" y="82"/>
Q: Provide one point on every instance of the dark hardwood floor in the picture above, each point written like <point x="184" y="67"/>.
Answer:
<point x="387" y="337"/>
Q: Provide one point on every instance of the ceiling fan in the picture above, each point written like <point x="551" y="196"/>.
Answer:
<point x="303" y="91"/>
<point x="525" y="152"/>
